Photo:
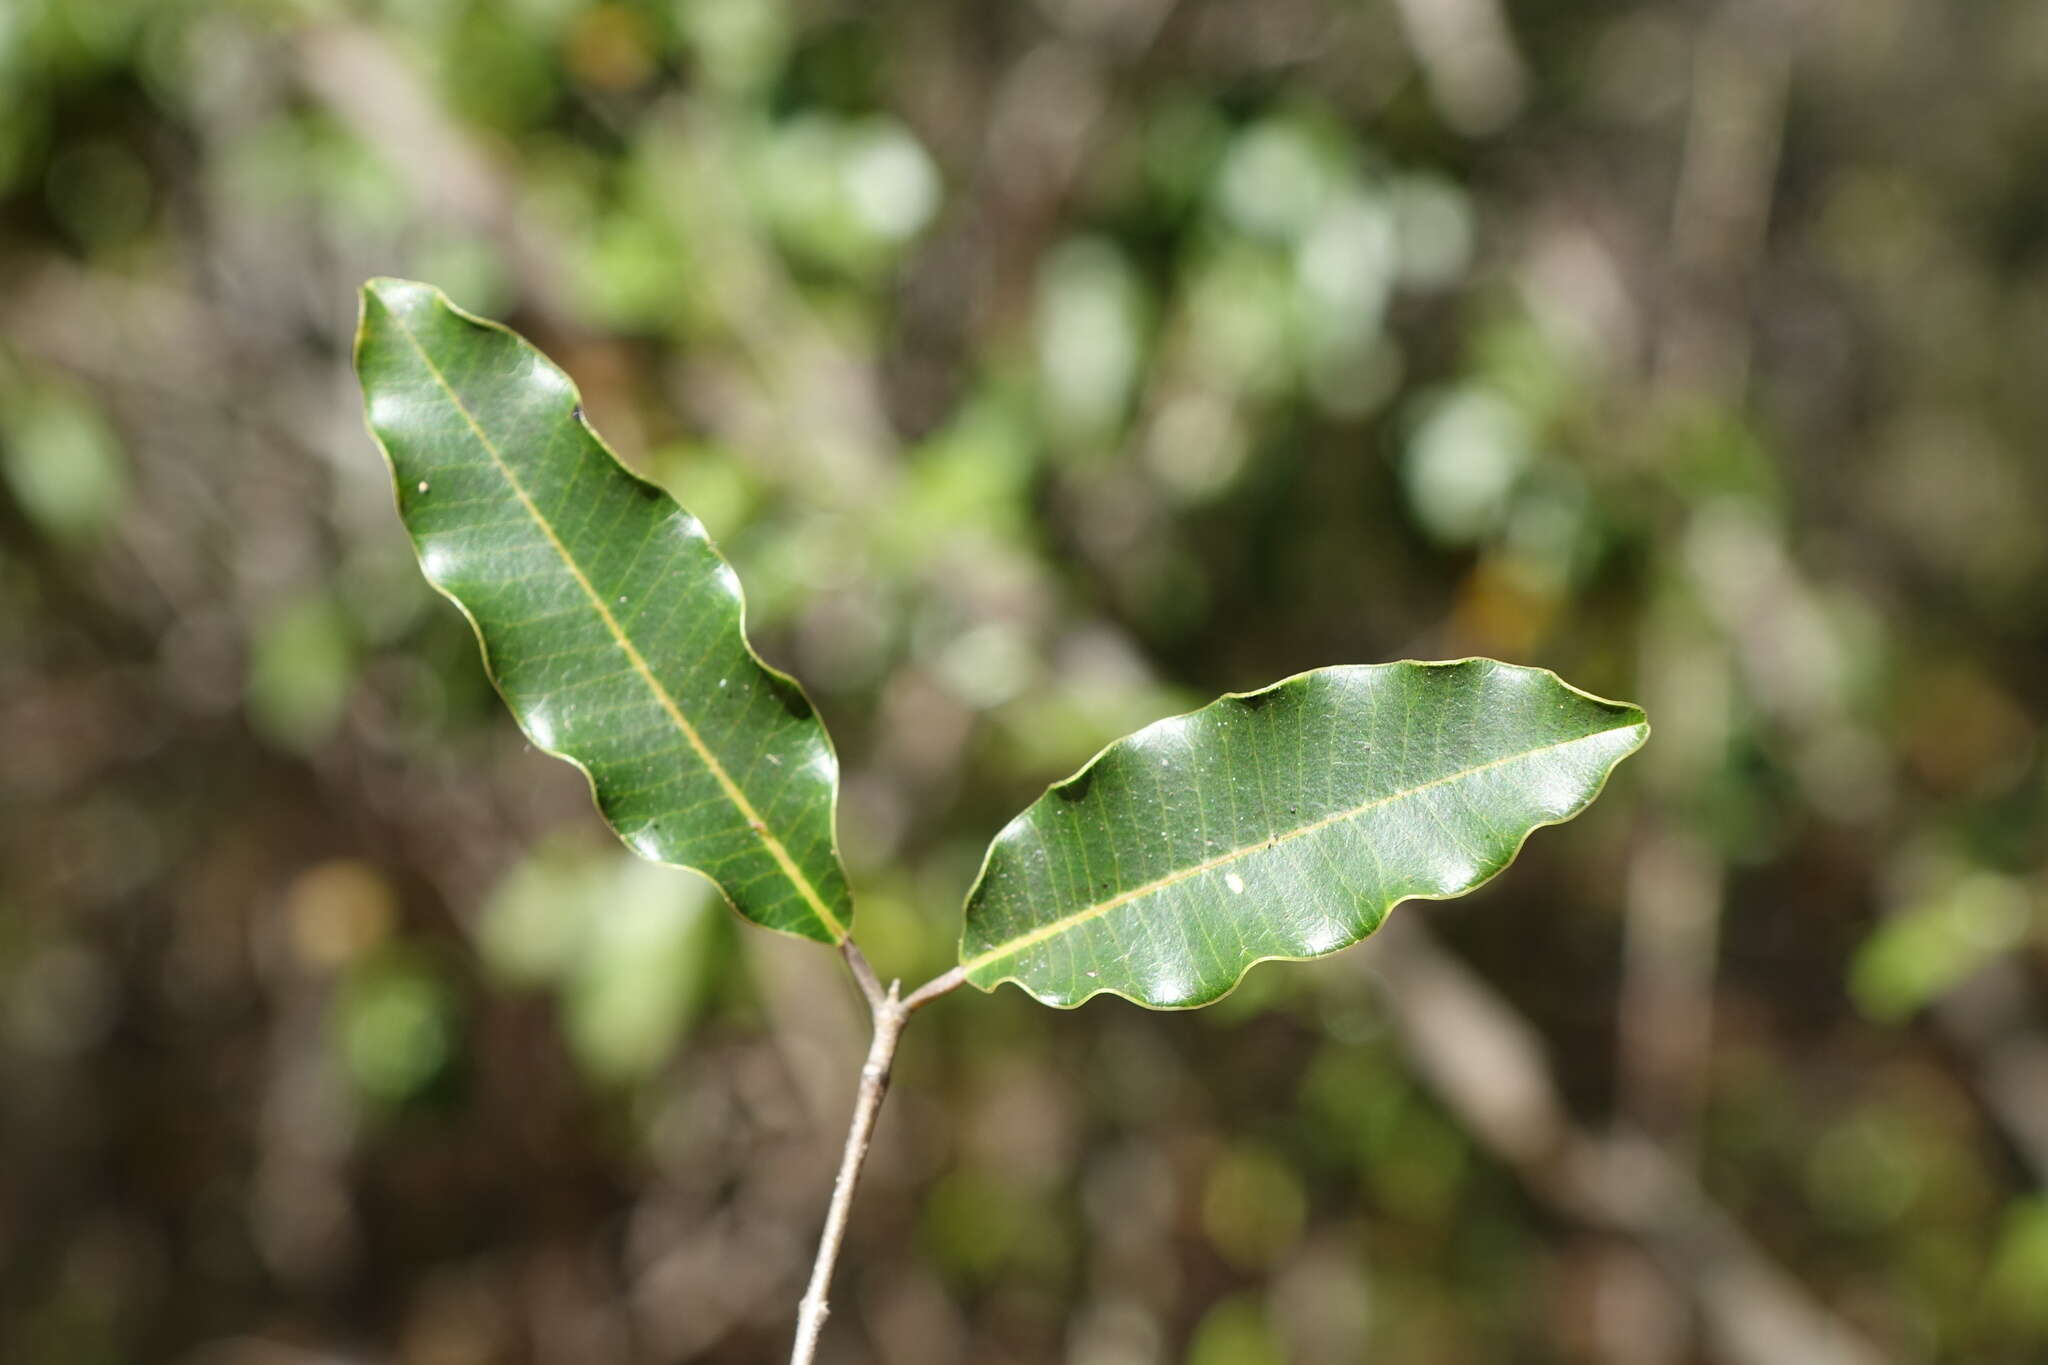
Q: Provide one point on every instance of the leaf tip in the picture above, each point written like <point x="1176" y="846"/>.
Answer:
<point x="398" y="296"/>
<point x="381" y="286"/>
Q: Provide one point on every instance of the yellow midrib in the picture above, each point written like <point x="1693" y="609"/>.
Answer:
<point x="1075" y="919"/>
<point x="755" y="824"/>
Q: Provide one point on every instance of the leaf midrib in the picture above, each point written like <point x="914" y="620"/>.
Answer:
<point x="1098" y="909"/>
<point x="755" y="824"/>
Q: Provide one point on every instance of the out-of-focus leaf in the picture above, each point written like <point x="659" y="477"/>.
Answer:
<point x="641" y="975"/>
<point x="624" y="946"/>
<point x="1276" y="177"/>
<point x="99" y="190"/>
<point x="972" y="1223"/>
<point x="1469" y="450"/>
<point x="1435" y="221"/>
<point x="1240" y="310"/>
<point x="1282" y="823"/>
<point x="609" y="622"/>
<point x="1921" y="952"/>
<point x="1235" y="1332"/>
<point x="302" y="664"/>
<point x="1091" y="336"/>
<point x="844" y="193"/>
<point x="396" y="1025"/>
<point x="535" y="925"/>
<point x="63" y="464"/>
<point x="2019" y="1267"/>
<point x="739" y="44"/>
<point x="1865" y="1172"/>
<point x="1253" y="1207"/>
<point x="1345" y="268"/>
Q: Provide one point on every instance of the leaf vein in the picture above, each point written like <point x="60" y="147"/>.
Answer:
<point x="1074" y="919"/>
<point x="663" y="698"/>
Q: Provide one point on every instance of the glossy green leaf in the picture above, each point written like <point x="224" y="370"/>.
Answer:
<point x="1282" y="823"/>
<point x="610" y="624"/>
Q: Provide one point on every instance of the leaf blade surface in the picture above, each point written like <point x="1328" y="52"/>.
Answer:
<point x="1282" y="824"/>
<point x="610" y="624"/>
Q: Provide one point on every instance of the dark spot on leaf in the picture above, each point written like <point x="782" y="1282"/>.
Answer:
<point x="576" y="413"/>
<point x="1257" y="699"/>
<point x="1075" y="787"/>
<point x="789" y="694"/>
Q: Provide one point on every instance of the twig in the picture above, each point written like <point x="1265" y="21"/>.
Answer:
<point x="870" y="984"/>
<point x="892" y="1011"/>
<point x="933" y="989"/>
<point x="874" y="1084"/>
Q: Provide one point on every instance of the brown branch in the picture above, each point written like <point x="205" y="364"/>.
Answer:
<point x="874" y="1085"/>
<point x="931" y="990"/>
<point x="891" y="1012"/>
<point x="864" y="976"/>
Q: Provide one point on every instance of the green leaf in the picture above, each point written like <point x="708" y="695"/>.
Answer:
<point x="609" y="623"/>
<point x="1282" y="824"/>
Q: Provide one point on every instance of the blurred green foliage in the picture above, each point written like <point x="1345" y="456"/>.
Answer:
<point x="1044" y="368"/>
<point x="625" y="947"/>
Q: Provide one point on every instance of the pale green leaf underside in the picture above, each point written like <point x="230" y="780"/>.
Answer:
<point x="1282" y="823"/>
<point x="610" y="624"/>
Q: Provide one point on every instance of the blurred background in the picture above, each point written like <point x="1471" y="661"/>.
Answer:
<point x="1045" y="368"/>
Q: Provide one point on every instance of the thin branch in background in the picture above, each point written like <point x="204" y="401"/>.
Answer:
<point x="1664" y="1043"/>
<point x="1742" y="73"/>
<point x="1487" y="1066"/>
<point x="821" y="396"/>
<point x="363" y="79"/>
<point x="1993" y="1019"/>
<point x="1468" y="56"/>
<point x="1667" y="1009"/>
